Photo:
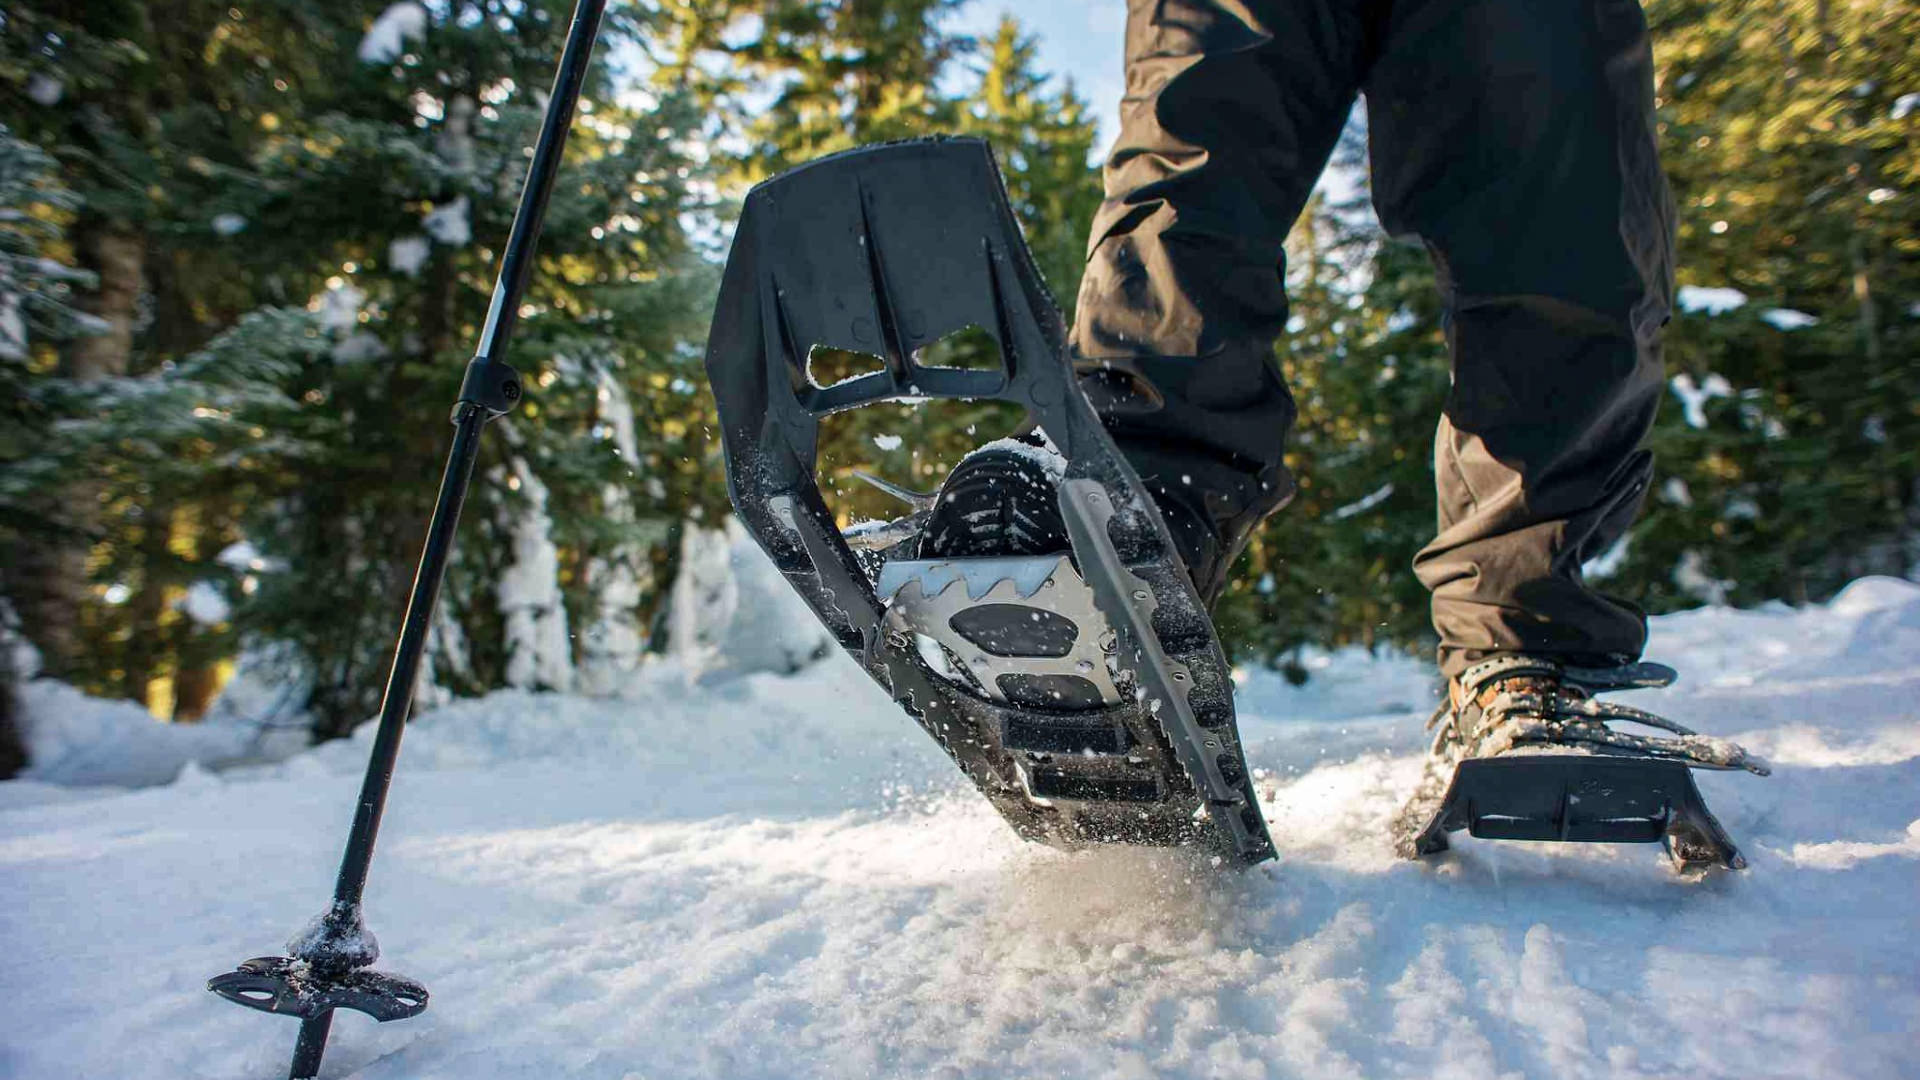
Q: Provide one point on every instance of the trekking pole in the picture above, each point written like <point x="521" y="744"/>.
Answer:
<point x="329" y="966"/>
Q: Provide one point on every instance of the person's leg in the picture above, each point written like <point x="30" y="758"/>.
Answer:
<point x="1516" y="139"/>
<point x="1232" y="108"/>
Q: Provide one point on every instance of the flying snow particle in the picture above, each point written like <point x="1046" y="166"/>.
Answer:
<point x="1903" y="105"/>
<point x="887" y="442"/>
<point x="448" y="223"/>
<point x="387" y="38"/>
<point x="408" y="254"/>
<point x="1676" y="491"/>
<point x="228" y="224"/>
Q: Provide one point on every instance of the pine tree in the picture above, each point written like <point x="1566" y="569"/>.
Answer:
<point x="1797" y="465"/>
<point x="359" y="214"/>
<point x="146" y="107"/>
<point x="390" y="201"/>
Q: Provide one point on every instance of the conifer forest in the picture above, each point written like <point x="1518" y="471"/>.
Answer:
<point x="245" y="246"/>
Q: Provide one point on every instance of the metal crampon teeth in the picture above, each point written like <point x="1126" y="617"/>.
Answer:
<point x="1026" y="629"/>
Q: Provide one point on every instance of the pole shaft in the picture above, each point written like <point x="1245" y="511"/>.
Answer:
<point x="407" y="654"/>
<point x="310" y="1047"/>
<point x="517" y="263"/>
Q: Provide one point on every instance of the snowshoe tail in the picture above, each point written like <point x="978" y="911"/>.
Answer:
<point x="885" y="251"/>
<point x="1594" y="798"/>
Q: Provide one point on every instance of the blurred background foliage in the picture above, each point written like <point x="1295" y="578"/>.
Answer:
<point x="245" y="247"/>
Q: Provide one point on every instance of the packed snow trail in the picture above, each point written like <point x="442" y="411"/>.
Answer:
<point x="781" y="878"/>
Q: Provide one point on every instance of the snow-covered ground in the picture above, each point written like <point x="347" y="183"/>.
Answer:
<point x="778" y="877"/>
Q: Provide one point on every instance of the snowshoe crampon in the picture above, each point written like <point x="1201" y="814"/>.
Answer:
<point x="885" y="251"/>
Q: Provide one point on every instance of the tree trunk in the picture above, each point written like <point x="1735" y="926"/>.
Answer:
<point x="196" y="678"/>
<point x="146" y="639"/>
<point x="193" y="691"/>
<point x="51" y="584"/>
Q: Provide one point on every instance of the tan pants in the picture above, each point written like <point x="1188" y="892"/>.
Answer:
<point x="1515" y="139"/>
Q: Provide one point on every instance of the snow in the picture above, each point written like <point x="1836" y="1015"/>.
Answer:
<point x="1787" y="319"/>
<point x="1676" y="491"/>
<point x="887" y="442"/>
<point x="409" y="254"/>
<point x="339" y="307"/>
<point x="539" y="649"/>
<point x="13" y="327"/>
<point x="1694" y="396"/>
<point x="44" y="89"/>
<point x="780" y="877"/>
<point x="359" y="347"/>
<point x="1046" y="455"/>
<point x="228" y="224"/>
<point x="733" y="614"/>
<point x="1710" y="300"/>
<point x="613" y="641"/>
<point x="241" y="556"/>
<point x="1691" y="577"/>
<point x="79" y="741"/>
<point x="1608" y="562"/>
<point x="268" y="692"/>
<point x="387" y="38"/>
<point x="448" y="223"/>
<point x="205" y="604"/>
<point x="1903" y="105"/>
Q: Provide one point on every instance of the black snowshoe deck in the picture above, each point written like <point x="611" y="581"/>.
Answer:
<point x="885" y="251"/>
<point x="1593" y="798"/>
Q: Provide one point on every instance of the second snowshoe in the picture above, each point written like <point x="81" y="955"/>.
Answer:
<point x="1523" y="750"/>
<point x="1035" y="616"/>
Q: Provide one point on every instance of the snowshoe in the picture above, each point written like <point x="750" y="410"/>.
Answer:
<point x="1034" y="616"/>
<point x="1523" y="751"/>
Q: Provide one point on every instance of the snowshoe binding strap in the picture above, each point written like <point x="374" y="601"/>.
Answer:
<point x="1541" y="702"/>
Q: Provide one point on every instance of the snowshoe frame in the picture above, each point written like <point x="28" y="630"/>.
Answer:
<point x="888" y="249"/>
<point x="1583" y="798"/>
